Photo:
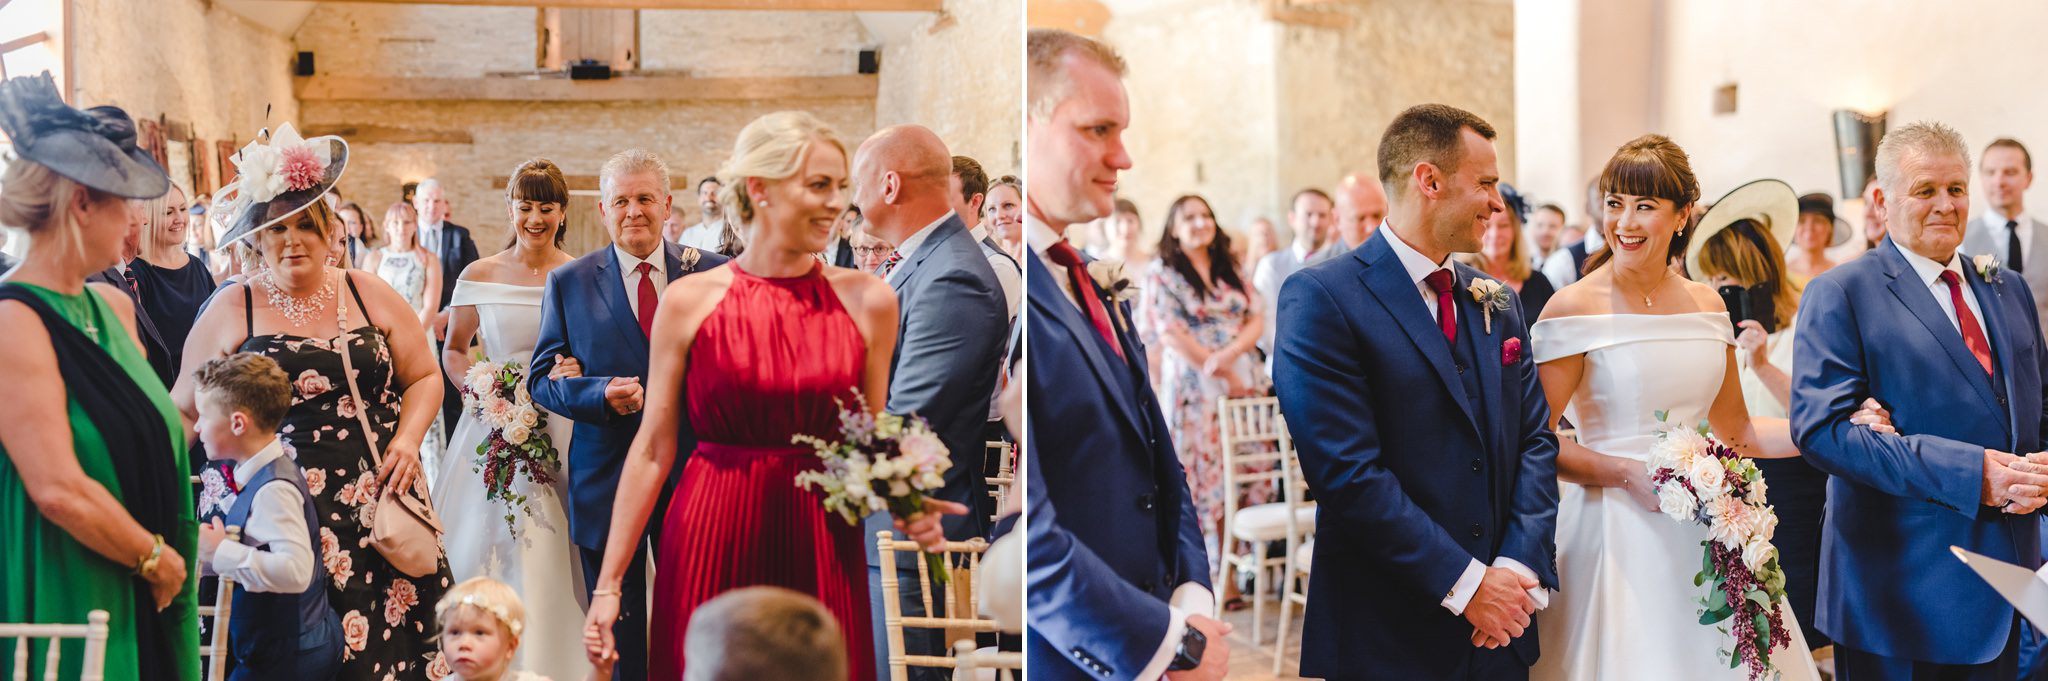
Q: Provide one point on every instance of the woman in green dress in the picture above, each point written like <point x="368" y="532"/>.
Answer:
<point x="95" y="510"/>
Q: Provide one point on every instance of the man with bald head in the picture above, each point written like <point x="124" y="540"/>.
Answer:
<point x="950" y="337"/>
<point x="1361" y="207"/>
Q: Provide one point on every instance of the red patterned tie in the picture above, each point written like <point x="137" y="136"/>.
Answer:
<point x="1064" y="255"/>
<point x="1973" y="337"/>
<point x="1446" y="312"/>
<point x="889" y="265"/>
<point x="647" y="299"/>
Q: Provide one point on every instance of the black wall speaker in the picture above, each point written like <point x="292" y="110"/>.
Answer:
<point x="1856" y="138"/>
<point x="590" y="69"/>
<point x="870" y="62"/>
<point x="303" y="66"/>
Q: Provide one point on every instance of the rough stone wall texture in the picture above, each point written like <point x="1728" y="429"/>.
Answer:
<point x="1228" y="103"/>
<point x="735" y="44"/>
<point x="961" y="74"/>
<point x="406" y="40"/>
<point x="184" y="62"/>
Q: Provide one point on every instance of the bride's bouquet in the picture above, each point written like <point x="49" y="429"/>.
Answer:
<point x="518" y="442"/>
<point x="1700" y="480"/>
<point x="881" y="462"/>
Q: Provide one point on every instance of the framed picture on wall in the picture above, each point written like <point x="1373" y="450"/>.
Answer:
<point x="224" y="169"/>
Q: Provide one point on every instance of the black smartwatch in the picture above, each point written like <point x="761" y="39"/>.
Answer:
<point x="1189" y="655"/>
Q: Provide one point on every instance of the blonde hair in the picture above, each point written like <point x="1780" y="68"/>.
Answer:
<point x="156" y="222"/>
<point x="1047" y="84"/>
<point x="630" y="161"/>
<point x="249" y="383"/>
<point x="772" y="147"/>
<point x="483" y="596"/>
<point x="1518" y="259"/>
<point x="764" y="633"/>
<point x="35" y="199"/>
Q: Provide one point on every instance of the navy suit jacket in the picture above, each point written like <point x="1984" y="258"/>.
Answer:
<point x="1888" y="584"/>
<point x="585" y="314"/>
<point x="949" y="346"/>
<point x="1125" y="533"/>
<point x="458" y="250"/>
<point x="1412" y="485"/>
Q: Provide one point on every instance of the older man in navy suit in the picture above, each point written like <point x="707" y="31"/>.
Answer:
<point x="1952" y="346"/>
<point x="1118" y="578"/>
<point x="590" y="362"/>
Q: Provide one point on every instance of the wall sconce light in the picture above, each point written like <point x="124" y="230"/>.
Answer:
<point x="1856" y="138"/>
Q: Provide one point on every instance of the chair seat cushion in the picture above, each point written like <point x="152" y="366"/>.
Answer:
<point x="1268" y="522"/>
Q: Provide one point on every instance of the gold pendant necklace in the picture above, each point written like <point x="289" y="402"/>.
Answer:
<point x="1653" y="289"/>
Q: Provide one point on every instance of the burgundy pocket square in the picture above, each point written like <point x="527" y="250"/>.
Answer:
<point x="1511" y="352"/>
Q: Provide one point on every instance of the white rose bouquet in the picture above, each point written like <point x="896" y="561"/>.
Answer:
<point x="518" y="442"/>
<point x="1700" y="480"/>
<point x="882" y="462"/>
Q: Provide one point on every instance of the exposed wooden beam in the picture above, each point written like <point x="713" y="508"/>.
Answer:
<point x="24" y="41"/>
<point x="557" y="88"/>
<point x="1296" y="13"/>
<point x="588" y="183"/>
<point x="370" y="134"/>
<point x="780" y="5"/>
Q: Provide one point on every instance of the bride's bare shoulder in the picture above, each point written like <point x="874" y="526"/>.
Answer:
<point x="1587" y="296"/>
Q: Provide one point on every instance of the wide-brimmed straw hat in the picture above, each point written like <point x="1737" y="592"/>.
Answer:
<point x="1772" y="204"/>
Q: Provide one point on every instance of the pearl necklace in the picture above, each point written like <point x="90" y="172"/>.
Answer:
<point x="298" y="311"/>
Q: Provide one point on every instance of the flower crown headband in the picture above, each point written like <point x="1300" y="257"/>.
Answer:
<point x="483" y="603"/>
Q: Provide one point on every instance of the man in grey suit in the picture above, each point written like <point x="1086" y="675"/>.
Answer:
<point x="2005" y="231"/>
<point x="950" y="339"/>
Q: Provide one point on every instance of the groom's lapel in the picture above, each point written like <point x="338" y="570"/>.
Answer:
<point x="1919" y="300"/>
<point x="1388" y="281"/>
<point x="1485" y="350"/>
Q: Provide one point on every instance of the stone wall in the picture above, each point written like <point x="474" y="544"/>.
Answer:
<point x="960" y="73"/>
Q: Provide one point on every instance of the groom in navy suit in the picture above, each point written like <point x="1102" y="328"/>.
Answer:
<point x="1952" y="346"/>
<point x="1421" y="429"/>
<point x="1118" y="578"/>
<point x="591" y="360"/>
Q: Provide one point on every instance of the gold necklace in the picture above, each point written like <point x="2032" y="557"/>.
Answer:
<point x="1646" y="295"/>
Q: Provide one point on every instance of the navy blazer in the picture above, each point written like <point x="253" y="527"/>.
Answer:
<point x="949" y="346"/>
<point x="458" y="250"/>
<point x="1888" y="584"/>
<point x="1125" y="534"/>
<point x="1412" y="484"/>
<point x="585" y="314"/>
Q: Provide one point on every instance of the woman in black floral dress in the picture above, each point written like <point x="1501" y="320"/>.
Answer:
<point x="302" y="312"/>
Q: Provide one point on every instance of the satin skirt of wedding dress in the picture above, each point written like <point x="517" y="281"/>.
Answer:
<point x="1628" y="608"/>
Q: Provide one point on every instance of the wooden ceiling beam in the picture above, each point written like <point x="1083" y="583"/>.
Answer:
<point x="560" y="89"/>
<point x="779" y="5"/>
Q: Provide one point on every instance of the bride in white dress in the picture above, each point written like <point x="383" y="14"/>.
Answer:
<point x="1630" y="339"/>
<point x="499" y="297"/>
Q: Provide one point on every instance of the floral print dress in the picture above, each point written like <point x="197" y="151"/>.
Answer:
<point x="1188" y="398"/>
<point x="387" y="617"/>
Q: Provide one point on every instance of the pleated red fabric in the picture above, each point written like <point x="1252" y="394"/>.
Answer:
<point x="768" y="363"/>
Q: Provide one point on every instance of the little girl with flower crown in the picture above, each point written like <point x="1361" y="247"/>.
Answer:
<point x="481" y="620"/>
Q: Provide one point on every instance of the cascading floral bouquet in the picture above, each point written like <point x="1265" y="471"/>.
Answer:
<point x="518" y="442"/>
<point x="882" y="462"/>
<point x="1701" y="480"/>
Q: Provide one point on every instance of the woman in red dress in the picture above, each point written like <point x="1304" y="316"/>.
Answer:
<point x="769" y="346"/>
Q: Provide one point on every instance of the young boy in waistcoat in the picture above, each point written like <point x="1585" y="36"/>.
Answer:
<point x="281" y="626"/>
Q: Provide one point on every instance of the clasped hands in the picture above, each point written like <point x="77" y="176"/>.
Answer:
<point x="1500" y="609"/>
<point x="623" y="394"/>
<point x="2013" y="483"/>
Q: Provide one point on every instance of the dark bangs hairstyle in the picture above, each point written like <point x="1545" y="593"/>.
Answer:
<point x="1222" y="268"/>
<point x="539" y="180"/>
<point x="1653" y="166"/>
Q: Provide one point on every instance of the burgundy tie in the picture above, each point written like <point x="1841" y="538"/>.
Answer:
<point x="647" y="299"/>
<point x="1973" y="337"/>
<point x="1446" y="314"/>
<point x="1064" y="255"/>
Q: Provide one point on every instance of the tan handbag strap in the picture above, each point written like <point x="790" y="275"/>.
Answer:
<point x="348" y="373"/>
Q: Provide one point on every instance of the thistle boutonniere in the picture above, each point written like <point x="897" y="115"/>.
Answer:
<point x="1987" y="267"/>
<point x="1491" y="296"/>
<point x="1109" y="276"/>
<point x="690" y="257"/>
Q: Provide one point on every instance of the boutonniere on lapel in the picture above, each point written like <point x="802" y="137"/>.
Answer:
<point x="690" y="257"/>
<point x="1109" y="276"/>
<point x="1987" y="267"/>
<point x="1491" y="296"/>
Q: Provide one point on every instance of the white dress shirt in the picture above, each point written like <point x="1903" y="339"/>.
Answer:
<point x="1997" y="223"/>
<point x="1267" y="275"/>
<point x="277" y="522"/>
<point x="1189" y="598"/>
<point x="703" y="236"/>
<point x="1007" y="270"/>
<point x="1930" y="274"/>
<point x="629" y="271"/>
<point x="1559" y="267"/>
<point x="910" y="245"/>
<point x="1418" y="267"/>
<point x="430" y="237"/>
